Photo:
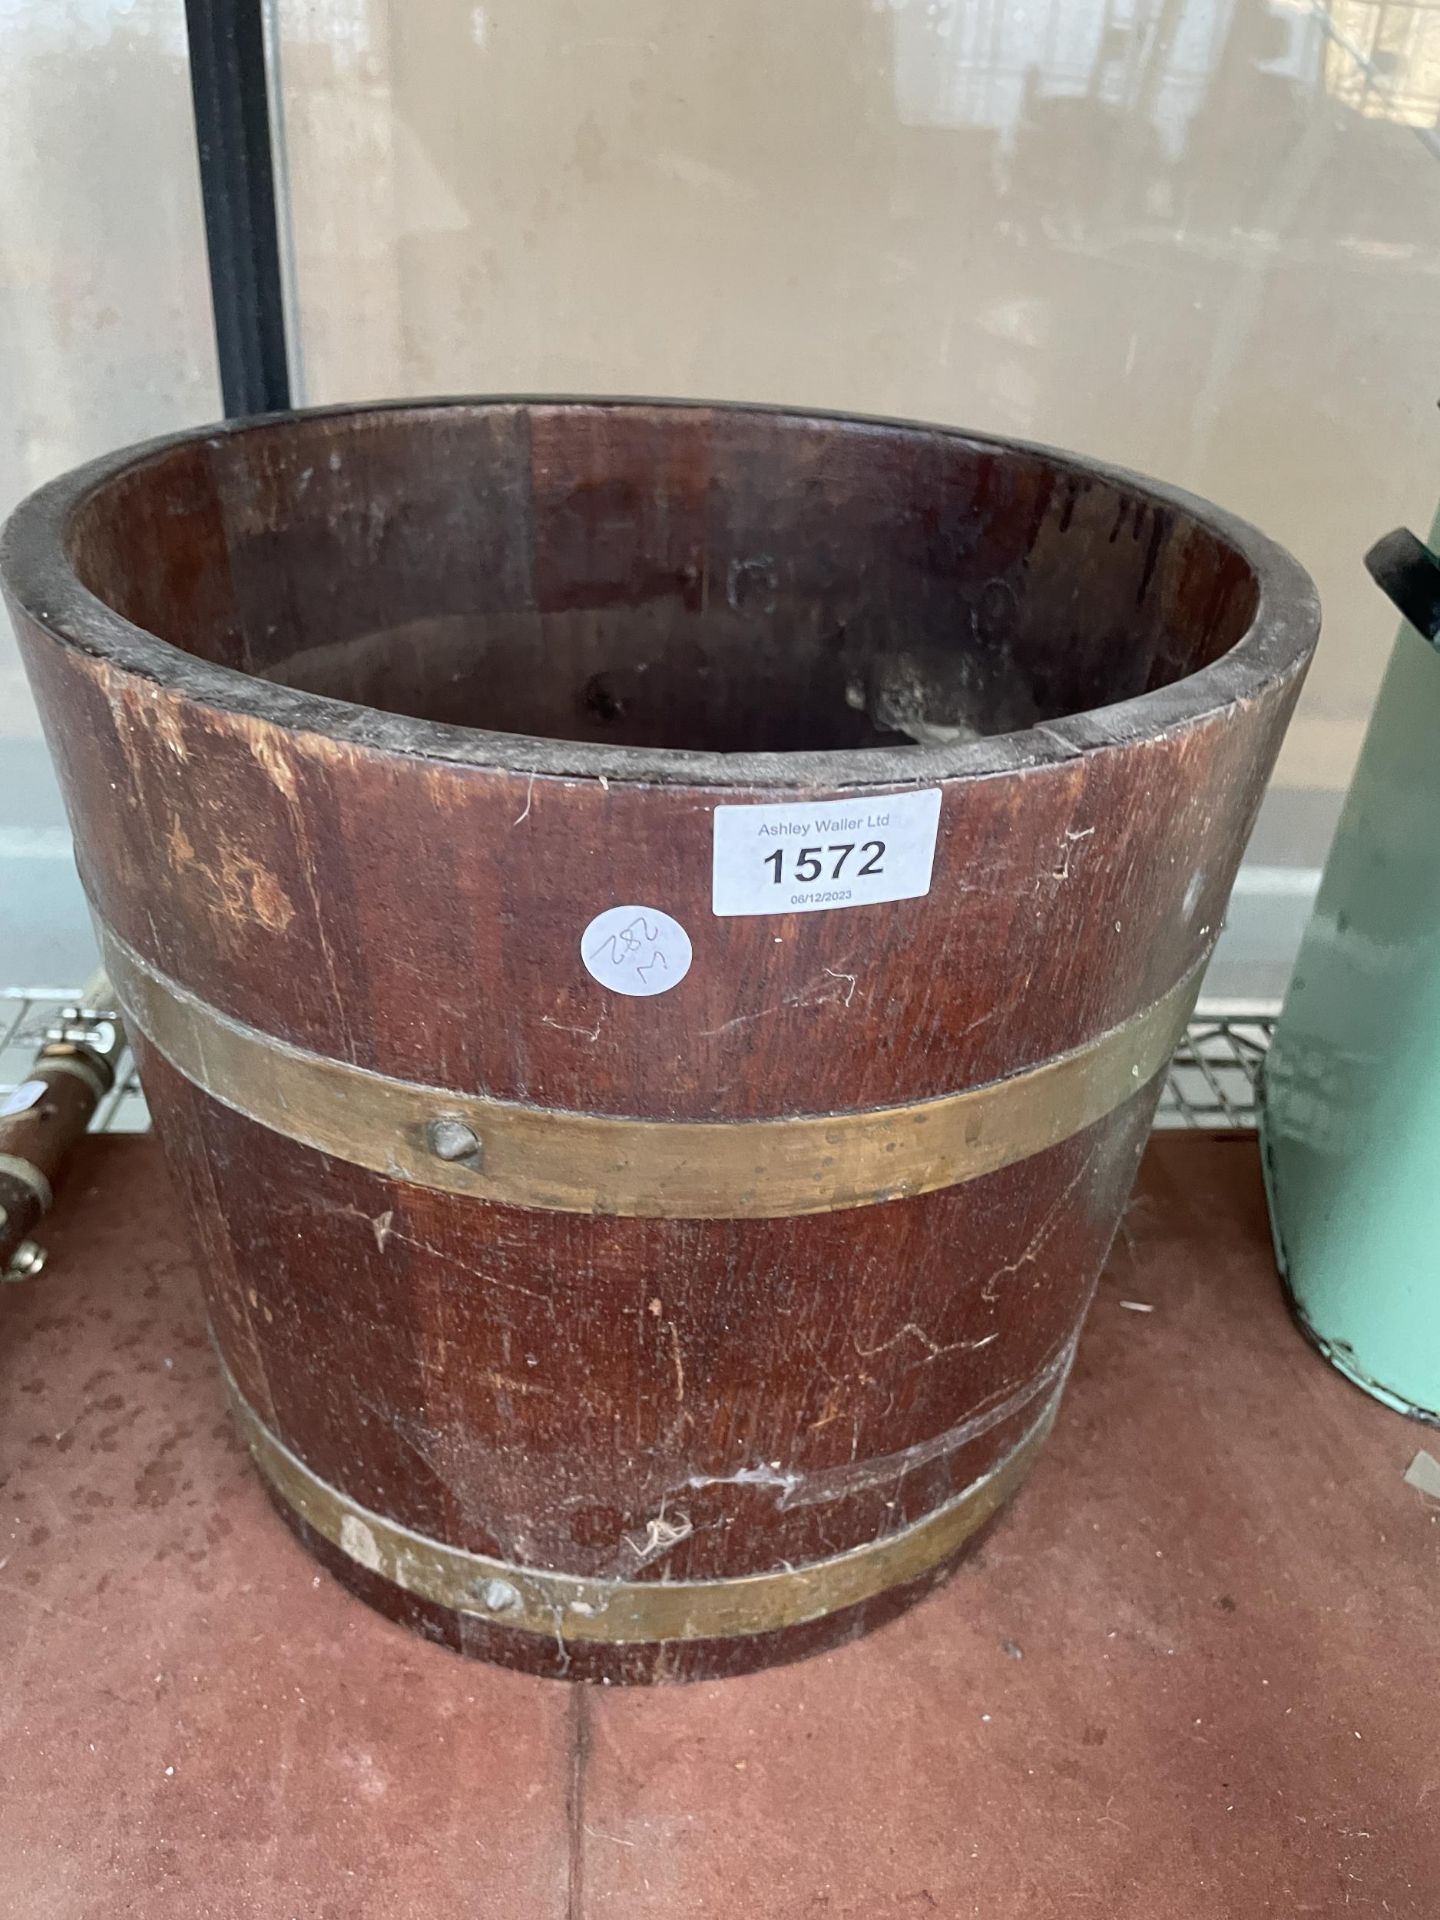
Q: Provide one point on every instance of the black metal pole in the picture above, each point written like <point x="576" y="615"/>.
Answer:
<point x="237" y="180"/>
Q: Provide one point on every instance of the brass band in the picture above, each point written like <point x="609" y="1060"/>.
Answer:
<point x="630" y="1612"/>
<point x="572" y="1162"/>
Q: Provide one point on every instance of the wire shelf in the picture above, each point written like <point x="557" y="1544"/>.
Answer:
<point x="25" y="1014"/>
<point x="1213" y="1078"/>
<point x="1210" y="1085"/>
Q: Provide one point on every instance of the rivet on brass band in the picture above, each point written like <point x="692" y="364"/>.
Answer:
<point x="630" y="1612"/>
<point x="572" y="1162"/>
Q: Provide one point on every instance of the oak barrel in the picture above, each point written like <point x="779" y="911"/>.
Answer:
<point x="652" y="934"/>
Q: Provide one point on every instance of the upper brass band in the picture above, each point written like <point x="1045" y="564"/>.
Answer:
<point x="573" y="1162"/>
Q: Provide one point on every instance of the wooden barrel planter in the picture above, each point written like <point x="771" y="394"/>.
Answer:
<point x="652" y="934"/>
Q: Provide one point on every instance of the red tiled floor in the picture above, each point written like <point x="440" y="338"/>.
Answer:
<point x="195" y="1721"/>
<point x="1194" y="1672"/>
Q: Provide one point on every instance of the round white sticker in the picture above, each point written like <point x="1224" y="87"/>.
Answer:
<point x="636" y="950"/>
<point x="20" y="1099"/>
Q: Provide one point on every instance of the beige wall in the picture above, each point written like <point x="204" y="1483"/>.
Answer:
<point x="1188" y="236"/>
<point x="105" y="337"/>
<point x="104" y="303"/>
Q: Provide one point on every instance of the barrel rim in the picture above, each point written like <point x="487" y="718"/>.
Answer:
<point x="41" y="583"/>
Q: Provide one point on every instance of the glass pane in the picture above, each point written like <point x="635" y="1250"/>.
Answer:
<point x="1197" y="237"/>
<point x="104" y="337"/>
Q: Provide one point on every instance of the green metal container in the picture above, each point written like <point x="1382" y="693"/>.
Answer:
<point x="1350" y="1118"/>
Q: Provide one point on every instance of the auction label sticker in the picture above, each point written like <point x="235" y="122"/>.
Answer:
<point x="819" y="855"/>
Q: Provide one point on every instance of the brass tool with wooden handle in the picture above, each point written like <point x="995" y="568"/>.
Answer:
<point x="43" y="1117"/>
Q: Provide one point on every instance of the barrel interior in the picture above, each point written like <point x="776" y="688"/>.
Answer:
<point x="717" y="580"/>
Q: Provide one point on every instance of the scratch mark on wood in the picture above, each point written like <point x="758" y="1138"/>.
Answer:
<point x="849" y="977"/>
<point x="585" y="1033"/>
<point x="392" y="1232"/>
<point x="524" y="813"/>
<point x="679" y="1364"/>
<point x="660" y="1535"/>
<point x="1038" y="1240"/>
<point x="815" y="993"/>
<point x="933" y="1349"/>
